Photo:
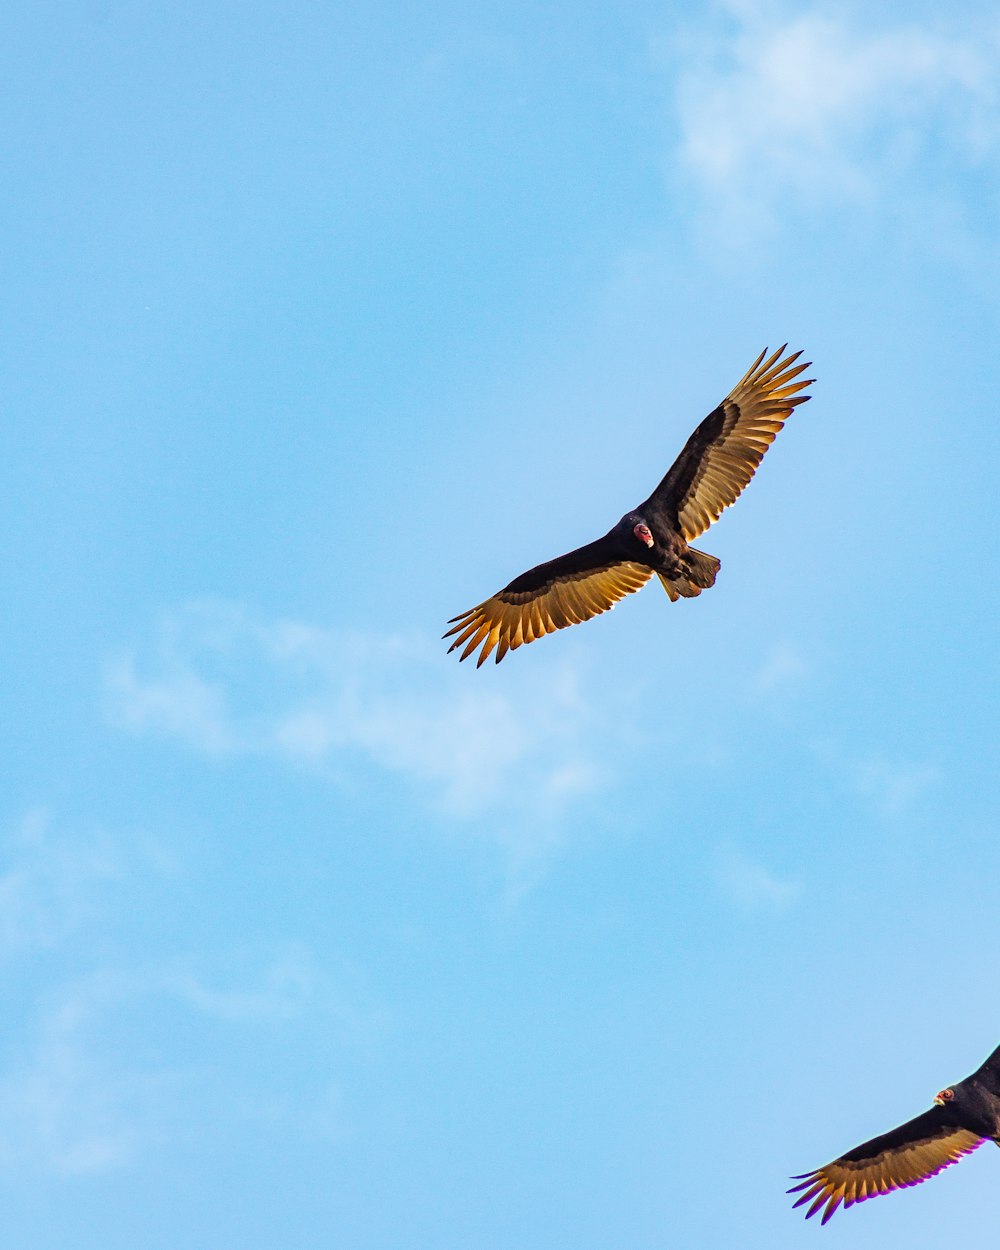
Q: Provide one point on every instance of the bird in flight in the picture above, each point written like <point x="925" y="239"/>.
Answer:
<point x="717" y="462"/>
<point x="962" y="1118"/>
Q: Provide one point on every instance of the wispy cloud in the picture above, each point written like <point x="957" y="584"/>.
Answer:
<point x="782" y="671"/>
<point x="178" y="702"/>
<point x="894" y="786"/>
<point x="97" y="1076"/>
<point x="891" y="785"/>
<point x="225" y="682"/>
<point x="750" y="884"/>
<point x="51" y="883"/>
<point x="269" y="987"/>
<point x="61" y="1108"/>
<point x="107" y="1052"/>
<point x="775" y="103"/>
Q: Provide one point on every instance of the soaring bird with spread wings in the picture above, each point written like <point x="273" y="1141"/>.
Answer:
<point x="717" y="462"/>
<point x="962" y="1118"/>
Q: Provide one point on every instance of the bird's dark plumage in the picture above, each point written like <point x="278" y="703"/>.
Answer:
<point x="962" y="1118"/>
<point x="717" y="462"/>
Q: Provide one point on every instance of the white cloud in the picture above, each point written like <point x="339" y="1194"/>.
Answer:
<point x="891" y="785"/>
<point x="93" y="1072"/>
<point x="60" y="1109"/>
<point x="50" y="884"/>
<point x="894" y="786"/>
<point x="227" y="683"/>
<point x="806" y="103"/>
<point x="750" y="884"/>
<point x="281" y="991"/>
<point x="464" y="53"/>
<point x="781" y="671"/>
<point x="179" y="702"/>
<point x="96" y="1077"/>
<point x="319" y="1114"/>
<point x="266" y="988"/>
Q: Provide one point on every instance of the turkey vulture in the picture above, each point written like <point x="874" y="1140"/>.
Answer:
<point x="962" y="1118"/>
<point x="718" y="460"/>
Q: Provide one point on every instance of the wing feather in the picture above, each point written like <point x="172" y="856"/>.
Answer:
<point x="906" y="1156"/>
<point x="562" y="592"/>
<point x="721" y="456"/>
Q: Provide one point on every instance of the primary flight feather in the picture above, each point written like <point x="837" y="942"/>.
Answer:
<point x="717" y="462"/>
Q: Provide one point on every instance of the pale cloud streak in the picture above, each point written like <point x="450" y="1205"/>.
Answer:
<point x="51" y="884"/>
<point x="782" y="671"/>
<point x="91" y="1073"/>
<point x="91" y="1088"/>
<point x="751" y="885"/>
<point x="890" y="785"/>
<point x="268" y="987"/>
<point x="894" y="786"/>
<point x="224" y="682"/>
<point x="775" y="103"/>
<point x="61" y="1108"/>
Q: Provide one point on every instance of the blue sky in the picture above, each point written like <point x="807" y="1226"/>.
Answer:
<point x="321" y="323"/>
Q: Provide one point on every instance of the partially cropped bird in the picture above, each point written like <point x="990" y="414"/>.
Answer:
<point x="717" y="462"/>
<point x="962" y="1118"/>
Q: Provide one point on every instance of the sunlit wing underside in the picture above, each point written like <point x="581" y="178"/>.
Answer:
<point x="510" y="618"/>
<point x="907" y="1156"/>
<point x="721" y="456"/>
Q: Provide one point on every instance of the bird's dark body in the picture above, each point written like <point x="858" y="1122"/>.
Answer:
<point x="667" y="556"/>
<point x="977" y="1102"/>
<point x="670" y="553"/>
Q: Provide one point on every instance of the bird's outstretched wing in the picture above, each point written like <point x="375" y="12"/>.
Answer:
<point x="720" y="457"/>
<point x="907" y="1155"/>
<point x="560" y="592"/>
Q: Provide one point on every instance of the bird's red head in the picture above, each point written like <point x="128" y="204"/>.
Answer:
<point x="641" y="531"/>
<point x="945" y="1097"/>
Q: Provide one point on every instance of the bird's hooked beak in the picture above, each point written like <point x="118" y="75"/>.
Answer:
<point x="641" y="531"/>
<point x="943" y="1098"/>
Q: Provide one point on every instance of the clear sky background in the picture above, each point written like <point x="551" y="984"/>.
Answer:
<point x="323" y="321"/>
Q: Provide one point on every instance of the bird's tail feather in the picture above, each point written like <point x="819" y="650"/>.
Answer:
<point x="699" y="572"/>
